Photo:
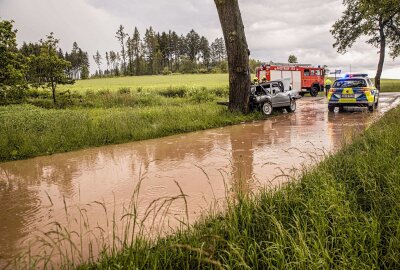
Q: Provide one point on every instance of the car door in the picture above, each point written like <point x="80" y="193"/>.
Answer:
<point x="279" y="96"/>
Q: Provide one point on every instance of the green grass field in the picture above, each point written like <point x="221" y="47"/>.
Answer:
<point x="390" y="85"/>
<point x="162" y="82"/>
<point x="150" y="82"/>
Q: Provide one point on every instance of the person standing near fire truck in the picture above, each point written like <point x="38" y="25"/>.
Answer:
<point x="328" y="84"/>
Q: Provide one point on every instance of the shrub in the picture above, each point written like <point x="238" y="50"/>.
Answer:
<point x="166" y="71"/>
<point x="173" y="92"/>
<point x="124" y="90"/>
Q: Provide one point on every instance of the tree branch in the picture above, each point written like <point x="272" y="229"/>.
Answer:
<point x="394" y="28"/>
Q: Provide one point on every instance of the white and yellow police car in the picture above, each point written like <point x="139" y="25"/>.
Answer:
<point x="353" y="92"/>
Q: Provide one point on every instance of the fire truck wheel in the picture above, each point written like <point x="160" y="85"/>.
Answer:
<point x="267" y="108"/>
<point x="314" y="91"/>
<point x="292" y="106"/>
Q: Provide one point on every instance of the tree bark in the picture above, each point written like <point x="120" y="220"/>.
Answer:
<point x="238" y="54"/>
<point x="381" y="56"/>
<point x="53" y="91"/>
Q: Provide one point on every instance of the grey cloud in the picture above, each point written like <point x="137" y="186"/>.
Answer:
<point x="274" y="29"/>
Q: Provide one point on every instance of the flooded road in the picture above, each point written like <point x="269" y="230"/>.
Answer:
<point x="34" y="192"/>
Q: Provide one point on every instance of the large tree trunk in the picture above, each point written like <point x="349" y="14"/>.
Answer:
<point x="381" y="56"/>
<point x="238" y="54"/>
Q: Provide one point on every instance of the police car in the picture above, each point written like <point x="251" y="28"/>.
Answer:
<point x="353" y="91"/>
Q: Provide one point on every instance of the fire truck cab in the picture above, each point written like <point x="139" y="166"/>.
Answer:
<point x="304" y="78"/>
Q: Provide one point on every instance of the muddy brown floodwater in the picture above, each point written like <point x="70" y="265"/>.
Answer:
<point x="204" y="164"/>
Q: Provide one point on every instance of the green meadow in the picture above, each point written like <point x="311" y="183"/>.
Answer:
<point x="150" y="82"/>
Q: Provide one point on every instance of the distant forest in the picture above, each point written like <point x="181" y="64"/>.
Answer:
<point x="161" y="53"/>
<point x="44" y="64"/>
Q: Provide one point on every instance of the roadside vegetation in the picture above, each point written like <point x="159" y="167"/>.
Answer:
<point x="106" y="117"/>
<point x="343" y="214"/>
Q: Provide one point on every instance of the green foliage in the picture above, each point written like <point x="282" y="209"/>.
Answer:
<point x="365" y="18"/>
<point x="253" y="63"/>
<point x="343" y="214"/>
<point x="13" y="65"/>
<point x="292" y="59"/>
<point x="163" y="53"/>
<point x="377" y="20"/>
<point x="48" y="69"/>
<point x="166" y="71"/>
<point x="79" y="59"/>
<point x="85" y="73"/>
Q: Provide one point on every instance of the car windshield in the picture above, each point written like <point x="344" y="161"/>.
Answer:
<point x="350" y="83"/>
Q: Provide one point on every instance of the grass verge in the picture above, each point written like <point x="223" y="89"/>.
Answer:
<point x="343" y="214"/>
<point x="108" y="118"/>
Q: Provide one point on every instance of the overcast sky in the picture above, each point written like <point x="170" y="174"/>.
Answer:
<point x="274" y="29"/>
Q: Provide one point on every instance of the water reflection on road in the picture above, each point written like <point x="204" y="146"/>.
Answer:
<point x="32" y="192"/>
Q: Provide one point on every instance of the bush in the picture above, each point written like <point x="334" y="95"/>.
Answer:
<point x="173" y="92"/>
<point x="103" y="92"/>
<point x="166" y="71"/>
<point x="200" y="95"/>
<point x="124" y="90"/>
<point x="12" y="94"/>
<point x="203" y="71"/>
<point x="42" y="103"/>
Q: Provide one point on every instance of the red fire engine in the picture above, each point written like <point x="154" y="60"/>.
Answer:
<point x="305" y="78"/>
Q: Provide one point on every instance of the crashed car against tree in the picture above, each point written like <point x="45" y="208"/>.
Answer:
<point x="272" y="95"/>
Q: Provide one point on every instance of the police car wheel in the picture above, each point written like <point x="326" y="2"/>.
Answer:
<point x="267" y="108"/>
<point x="331" y="108"/>
<point x="371" y="108"/>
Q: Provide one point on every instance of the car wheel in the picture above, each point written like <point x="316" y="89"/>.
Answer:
<point x="314" y="92"/>
<point x="371" y="108"/>
<point x="377" y="104"/>
<point x="267" y="108"/>
<point x="341" y="109"/>
<point x="292" y="107"/>
<point x="331" y="108"/>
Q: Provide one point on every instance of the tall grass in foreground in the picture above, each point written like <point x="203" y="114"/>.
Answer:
<point x="342" y="214"/>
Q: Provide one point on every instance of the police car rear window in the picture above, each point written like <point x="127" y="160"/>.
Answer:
<point x="350" y="83"/>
